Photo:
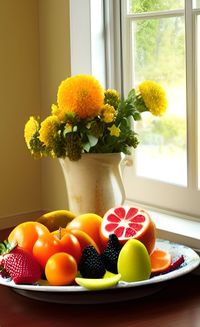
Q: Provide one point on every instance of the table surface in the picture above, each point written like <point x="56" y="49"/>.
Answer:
<point x="177" y="304"/>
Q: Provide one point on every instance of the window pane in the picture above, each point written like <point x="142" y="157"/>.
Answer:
<point x="138" y="6"/>
<point x="196" y="4"/>
<point x="161" y="57"/>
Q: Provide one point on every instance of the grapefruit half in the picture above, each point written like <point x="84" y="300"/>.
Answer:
<point x="129" y="222"/>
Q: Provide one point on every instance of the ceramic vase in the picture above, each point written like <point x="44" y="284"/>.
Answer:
<point x="94" y="183"/>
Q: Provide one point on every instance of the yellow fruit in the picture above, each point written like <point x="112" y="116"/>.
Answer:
<point x="108" y="280"/>
<point x="134" y="262"/>
<point x="55" y="219"/>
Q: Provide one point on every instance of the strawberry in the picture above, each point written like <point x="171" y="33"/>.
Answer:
<point x="19" y="265"/>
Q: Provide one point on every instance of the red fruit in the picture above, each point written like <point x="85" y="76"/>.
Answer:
<point x="48" y="244"/>
<point x="21" y="266"/>
<point x="129" y="222"/>
<point x="177" y="263"/>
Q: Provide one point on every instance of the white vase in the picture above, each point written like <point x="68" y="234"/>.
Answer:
<point x="94" y="183"/>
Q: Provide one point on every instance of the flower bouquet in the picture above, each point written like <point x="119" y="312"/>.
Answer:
<point x="89" y="119"/>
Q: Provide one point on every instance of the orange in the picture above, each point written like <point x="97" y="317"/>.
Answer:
<point x="61" y="269"/>
<point x="89" y="223"/>
<point x="84" y="239"/>
<point x="160" y="260"/>
<point x="27" y="233"/>
<point x="129" y="222"/>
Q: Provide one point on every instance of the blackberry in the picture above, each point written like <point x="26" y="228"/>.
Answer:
<point x="113" y="242"/>
<point x="90" y="265"/>
<point x="110" y="255"/>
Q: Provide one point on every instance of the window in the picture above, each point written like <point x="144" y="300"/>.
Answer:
<point x="160" y="42"/>
<point x="168" y="53"/>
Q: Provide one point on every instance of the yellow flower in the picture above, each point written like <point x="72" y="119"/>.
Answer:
<point x="56" y="111"/>
<point x="114" y="130"/>
<point x="31" y="127"/>
<point x="112" y="97"/>
<point x="154" y="97"/>
<point x="81" y="94"/>
<point x="108" y="113"/>
<point x="48" y="130"/>
<point x="68" y="128"/>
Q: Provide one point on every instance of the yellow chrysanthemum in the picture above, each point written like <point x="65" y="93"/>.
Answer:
<point x="31" y="127"/>
<point x="48" y="130"/>
<point x="154" y="97"/>
<point x="107" y="113"/>
<point x="56" y="111"/>
<point x="114" y="131"/>
<point x="81" y="94"/>
<point x="112" y="97"/>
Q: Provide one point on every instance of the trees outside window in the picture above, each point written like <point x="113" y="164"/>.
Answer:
<point x="160" y="42"/>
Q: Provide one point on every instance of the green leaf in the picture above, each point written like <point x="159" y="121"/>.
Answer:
<point x="131" y="94"/>
<point x="92" y="140"/>
<point x="137" y="115"/>
<point x="86" y="147"/>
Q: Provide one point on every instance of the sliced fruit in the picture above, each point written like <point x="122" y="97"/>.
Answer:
<point x="127" y="223"/>
<point x="84" y="239"/>
<point x="89" y="223"/>
<point x="160" y="260"/>
<point x="55" y="219"/>
<point x="177" y="263"/>
<point x="109" y="280"/>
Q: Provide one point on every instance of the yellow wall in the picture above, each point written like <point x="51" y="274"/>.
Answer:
<point x="34" y="58"/>
<point x="20" y="176"/>
<point x="54" y="67"/>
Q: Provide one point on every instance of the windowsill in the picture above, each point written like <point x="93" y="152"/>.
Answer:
<point x="174" y="228"/>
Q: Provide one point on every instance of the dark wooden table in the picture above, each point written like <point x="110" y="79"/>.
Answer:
<point x="176" y="305"/>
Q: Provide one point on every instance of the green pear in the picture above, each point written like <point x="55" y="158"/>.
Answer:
<point x="134" y="262"/>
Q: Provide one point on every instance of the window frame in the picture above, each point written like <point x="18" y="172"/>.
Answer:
<point x="154" y="192"/>
<point x="173" y="226"/>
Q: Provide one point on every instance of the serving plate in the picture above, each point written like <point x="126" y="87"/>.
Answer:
<point x="121" y="292"/>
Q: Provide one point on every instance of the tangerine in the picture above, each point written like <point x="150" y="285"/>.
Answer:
<point x="129" y="222"/>
<point x="61" y="269"/>
<point x="89" y="223"/>
<point x="27" y="233"/>
<point x="160" y="260"/>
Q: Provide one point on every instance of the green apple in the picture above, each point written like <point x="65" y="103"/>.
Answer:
<point x="134" y="262"/>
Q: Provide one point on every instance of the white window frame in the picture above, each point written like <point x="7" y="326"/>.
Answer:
<point x="173" y="226"/>
<point x="156" y="193"/>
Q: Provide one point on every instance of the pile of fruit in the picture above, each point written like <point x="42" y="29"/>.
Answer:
<point x="88" y="250"/>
